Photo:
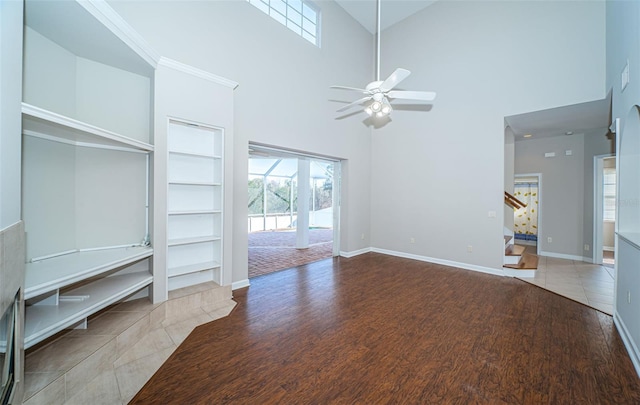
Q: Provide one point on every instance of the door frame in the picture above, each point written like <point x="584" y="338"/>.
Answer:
<point x="538" y="176"/>
<point x="598" y="207"/>
<point x="337" y="179"/>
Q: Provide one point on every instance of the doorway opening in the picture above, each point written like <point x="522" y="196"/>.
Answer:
<point x="605" y="210"/>
<point x="526" y="220"/>
<point x="293" y="209"/>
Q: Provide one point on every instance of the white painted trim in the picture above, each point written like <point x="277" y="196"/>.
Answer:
<point x="567" y="257"/>
<point x="52" y="138"/>
<point x="355" y="252"/>
<point x="629" y="344"/>
<point x="524" y="273"/>
<point x="450" y="263"/>
<point x="71" y="126"/>
<point x="598" y="208"/>
<point x="240" y="284"/>
<point x="203" y="74"/>
<point x="101" y="10"/>
<point x="608" y="248"/>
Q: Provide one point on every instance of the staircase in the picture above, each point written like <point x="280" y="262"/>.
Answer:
<point x="516" y="262"/>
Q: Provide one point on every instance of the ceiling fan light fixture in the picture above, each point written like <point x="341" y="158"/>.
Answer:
<point x="368" y="110"/>
<point x="386" y="109"/>
<point x="376" y="106"/>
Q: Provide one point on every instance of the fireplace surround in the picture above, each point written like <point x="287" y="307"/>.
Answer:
<point x="12" y="266"/>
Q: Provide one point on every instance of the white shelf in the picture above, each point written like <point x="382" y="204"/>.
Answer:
<point x="195" y="212"/>
<point x="43" y="321"/>
<point x="195" y="183"/>
<point x="49" y="125"/>
<point x="202" y="155"/>
<point x="192" y="268"/>
<point x="57" y="272"/>
<point x="197" y="239"/>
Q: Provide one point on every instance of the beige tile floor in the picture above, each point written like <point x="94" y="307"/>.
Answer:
<point x="589" y="284"/>
<point x="122" y="348"/>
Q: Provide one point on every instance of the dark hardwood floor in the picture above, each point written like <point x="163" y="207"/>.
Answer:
<point x="376" y="329"/>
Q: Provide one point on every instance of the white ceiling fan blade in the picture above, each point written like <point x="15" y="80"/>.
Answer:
<point x="412" y="95"/>
<point x="357" y="102"/>
<point x="392" y="81"/>
<point x="350" y="88"/>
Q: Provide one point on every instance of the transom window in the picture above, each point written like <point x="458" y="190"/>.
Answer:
<point x="299" y="16"/>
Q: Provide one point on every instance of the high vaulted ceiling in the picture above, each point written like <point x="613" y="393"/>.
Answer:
<point x="577" y="118"/>
<point x="392" y="11"/>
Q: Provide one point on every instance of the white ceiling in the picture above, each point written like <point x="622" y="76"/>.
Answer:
<point x="392" y="11"/>
<point x="576" y="118"/>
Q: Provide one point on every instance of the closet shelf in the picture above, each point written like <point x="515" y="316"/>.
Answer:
<point x="191" y="268"/>
<point x="195" y="183"/>
<point x="50" y="125"/>
<point x="202" y="155"/>
<point x="196" y="239"/>
<point x="194" y="212"/>
<point x="51" y="274"/>
<point x="43" y="321"/>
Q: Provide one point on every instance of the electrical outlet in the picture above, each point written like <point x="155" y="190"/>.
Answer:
<point x="412" y="240"/>
<point x="469" y="248"/>
<point x="549" y="239"/>
<point x="586" y="247"/>
<point x="362" y="236"/>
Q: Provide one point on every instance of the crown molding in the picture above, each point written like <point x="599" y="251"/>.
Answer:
<point x="203" y="74"/>
<point x="101" y="10"/>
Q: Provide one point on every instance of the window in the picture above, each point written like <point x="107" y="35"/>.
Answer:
<point x="609" y="193"/>
<point x="299" y="16"/>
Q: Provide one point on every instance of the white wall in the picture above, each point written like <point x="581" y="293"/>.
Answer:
<point x="623" y="44"/>
<point x="50" y="72"/>
<point x="10" y="117"/>
<point x="437" y="174"/>
<point x="284" y="96"/>
<point x="566" y="204"/>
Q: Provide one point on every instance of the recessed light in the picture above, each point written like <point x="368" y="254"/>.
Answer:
<point x="527" y="135"/>
<point x="569" y="133"/>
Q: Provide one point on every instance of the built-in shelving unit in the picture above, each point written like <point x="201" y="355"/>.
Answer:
<point x="194" y="203"/>
<point x="57" y="272"/>
<point x="45" y="124"/>
<point x="86" y="115"/>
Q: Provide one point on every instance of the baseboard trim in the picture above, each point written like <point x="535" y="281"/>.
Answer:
<point x="465" y="266"/>
<point x="355" y="252"/>
<point x="240" y="284"/>
<point x="565" y="256"/>
<point x="629" y="344"/>
<point x="608" y="248"/>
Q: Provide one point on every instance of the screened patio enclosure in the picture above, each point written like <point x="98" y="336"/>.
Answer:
<point x="291" y="210"/>
<point x="274" y="190"/>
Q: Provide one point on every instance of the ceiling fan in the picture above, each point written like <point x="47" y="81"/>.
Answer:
<point x="379" y="93"/>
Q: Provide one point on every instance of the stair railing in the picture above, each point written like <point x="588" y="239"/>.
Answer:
<point x="512" y="201"/>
